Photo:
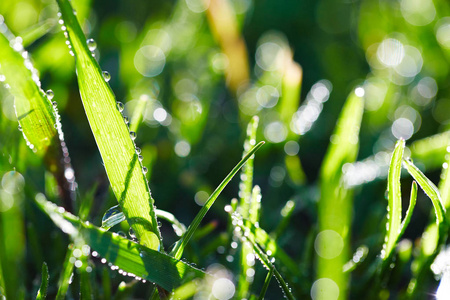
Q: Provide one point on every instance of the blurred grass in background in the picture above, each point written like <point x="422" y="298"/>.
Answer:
<point x="199" y="70"/>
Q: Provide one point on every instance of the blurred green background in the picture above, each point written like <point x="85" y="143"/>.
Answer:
<point x="203" y="68"/>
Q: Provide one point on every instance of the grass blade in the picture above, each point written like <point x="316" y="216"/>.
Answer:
<point x="246" y="201"/>
<point x="42" y="293"/>
<point x="394" y="200"/>
<point x="124" y="170"/>
<point x="33" y="108"/>
<point x="37" y="116"/>
<point x="335" y="205"/>
<point x="181" y="244"/>
<point x="65" y="276"/>
<point x="136" y="260"/>
<point x="429" y="188"/>
<point x="412" y="204"/>
<point x="263" y="257"/>
<point x="266" y="285"/>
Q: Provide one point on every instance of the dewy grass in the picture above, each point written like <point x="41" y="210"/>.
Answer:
<point x="135" y="260"/>
<point x="394" y="200"/>
<point x="115" y="142"/>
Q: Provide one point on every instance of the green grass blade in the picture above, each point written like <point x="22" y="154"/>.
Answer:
<point x="246" y="200"/>
<point x="409" y="212"/>
<point x="444" y="184"/>
<point x="263" y="257"/>
<point x="394" y="200"/>
<point x="429" y="188"/>
<point x="64" y="279"/>
<point x="335" y="204"/>
<point x="42" y="293"/>
<point x="124" y="170"/>
<point x="136" y="260"/>
<point x="265" y="285"/>
<point x="33" y="108"/>
<point x="181" y="244"/>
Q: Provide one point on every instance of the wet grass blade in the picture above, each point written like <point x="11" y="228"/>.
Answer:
<point x="33" y="108"/>
<point x="265" y="285"/>
<point x="181" y="244"/>
<point x="429" y="188"/>
<point x="409" y="212"/>
<point x="335" y="204"/>
<point x="246" y="201"/>
<point x="434" y="235"/>
<point x="269" y="245"/>
<point x="136" y="260"/>
<point x="116" y="146"/>
<point x="42" y="293"/>
<point x="66" y="274"/>
<point x="394" y="200"/>
<point x="263" y="257"/>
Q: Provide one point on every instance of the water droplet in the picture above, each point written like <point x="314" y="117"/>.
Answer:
<point x="92" y="45"/>
<point x="122" y="234"/>
<point x="144" y="170"/>
<point x="131" y="233"/>
<point x="140" y="157"/>
<point x="120" y="106"/>
<point x="106" y="76"/>
<point x="112" y="217"/>
<point x="55" y="104"/>
<point x="20" y="128"/>
<point x="133" y="135"/>
<point x="50" y="94"/>
<point x="125" y="119"/>
<point x="138" y="150"/>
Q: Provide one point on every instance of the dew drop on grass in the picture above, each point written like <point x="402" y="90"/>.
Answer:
<point x="125" y="119"/>
<point x="131" y="233"/>
<point x="140" y="157"/>
<point x="20" y="128"/>
<point x="92" y="45"/>
<point x="138" y="150"/>
<point x="112" y="217"/>
<point x="120" y="106"/>
<point x="50" y="94"/>
<point x="133" y="135"/>
<point x="55" y="104"/>
<point x="122" y="234"/>
<point x="144" y="170"/>
<point x="106" y="76"/>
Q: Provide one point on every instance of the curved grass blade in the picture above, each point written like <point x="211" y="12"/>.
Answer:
<point x="412" y="204"/>
<point x="429" y="188"/>
<point x="124" y="170"/>
<point x="42" y="293"/>
<point x="37" y="116"/>
<point x="181" y="244"/>
<point x="394" y="200"/>
<point x="33" y="108"/>
<point x="433" y="237"/>
<point x="336" y="200"/>
<point x="136" y="260"/>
